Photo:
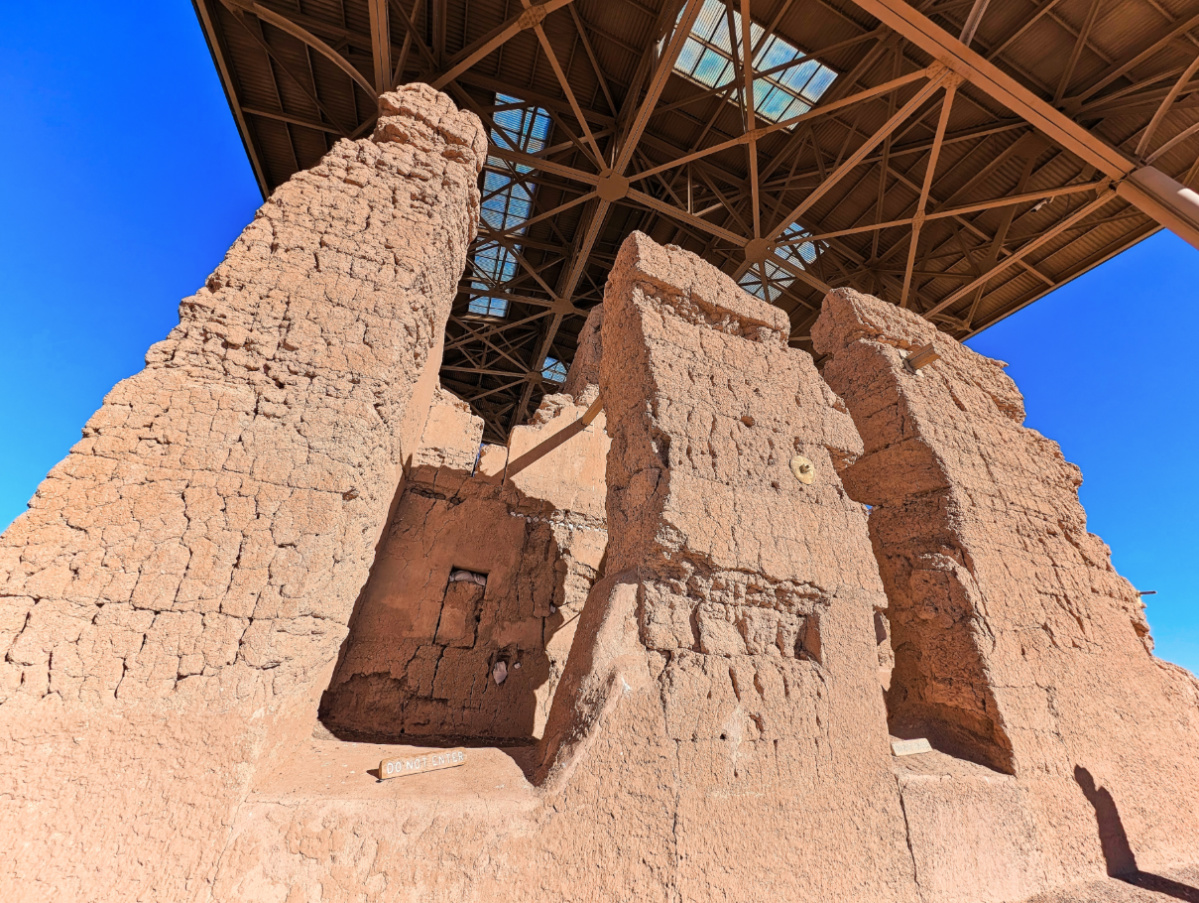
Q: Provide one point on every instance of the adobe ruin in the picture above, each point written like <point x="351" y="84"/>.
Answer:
<point x="281" y="553"/>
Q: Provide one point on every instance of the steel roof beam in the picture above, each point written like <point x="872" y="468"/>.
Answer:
<point x="219" y="57"/>
<point x="303" y="35"/>
<point x="529" y="17"/>
<point x="926" y="186"/>
<point x="381" y="44"/>
<point x="625" y="146"/>
<point x="1104" y="198"/>
<point x="1152" y="191"/>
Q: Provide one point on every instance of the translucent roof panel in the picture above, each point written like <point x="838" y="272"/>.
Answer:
<point x="507" y="199"/>
<point x="786" y="81"/>
<point x="496" y="265"/>
<point x="520" y="127"/>
<point x="791" y="248"/>
<point x="506" y="202"/>
<point x="488" y="307"/>
<point x="554" y="370"/>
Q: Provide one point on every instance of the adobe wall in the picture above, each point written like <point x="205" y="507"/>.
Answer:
<point x="433" y="656"/>
<point x="719" y="732"/>
<point x="192" y="564"/>
<point x="720" y="718"/>
<point x="1016" y="643"/>
<point x="271" y="520"/>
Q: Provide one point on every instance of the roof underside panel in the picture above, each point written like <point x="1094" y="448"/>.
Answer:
<point x="788" y="200"/>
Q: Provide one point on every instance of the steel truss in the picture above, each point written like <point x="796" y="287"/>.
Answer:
<point x="968" y="157"/>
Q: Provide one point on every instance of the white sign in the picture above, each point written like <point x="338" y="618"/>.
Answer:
<point x="427" y="761"/>
<point x="910" y="747"/>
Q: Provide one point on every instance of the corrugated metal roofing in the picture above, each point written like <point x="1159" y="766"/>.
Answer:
<point x="1108" y="66"/>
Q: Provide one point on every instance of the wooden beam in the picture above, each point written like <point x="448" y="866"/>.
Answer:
<point x="593" y="411"/>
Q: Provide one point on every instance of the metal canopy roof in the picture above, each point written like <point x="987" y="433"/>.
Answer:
<point x="963" y="161"/>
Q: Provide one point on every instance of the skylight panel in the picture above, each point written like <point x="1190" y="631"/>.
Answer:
<point x="489" y="307"/>
<point x="792" y="249"/>
<point x="554" y="370"/>
<point x="507" y="201"/>
<point x="519" y="127"/>
<point x="786" y="90"/>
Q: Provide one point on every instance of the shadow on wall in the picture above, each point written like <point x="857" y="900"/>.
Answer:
<point x="1117" y="852"/>
<point x="450" y="640"/>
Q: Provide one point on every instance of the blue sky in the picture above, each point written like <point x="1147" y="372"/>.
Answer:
<point x="125" y="181"/>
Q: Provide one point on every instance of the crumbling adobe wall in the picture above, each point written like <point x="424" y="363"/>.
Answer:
<point x="1016" y="643"/>
<point x="196" y="557"/>
<point x="719" y="732"/>
<point x="435" y="658"/>
<point x="720" y="721"/>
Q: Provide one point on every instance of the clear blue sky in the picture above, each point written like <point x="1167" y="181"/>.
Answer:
<point x="125" y="181"/>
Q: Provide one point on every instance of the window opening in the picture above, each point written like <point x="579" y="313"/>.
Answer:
<point x="507" y="202"/>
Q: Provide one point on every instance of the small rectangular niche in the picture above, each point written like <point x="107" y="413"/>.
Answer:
<point x="462" y="575"/>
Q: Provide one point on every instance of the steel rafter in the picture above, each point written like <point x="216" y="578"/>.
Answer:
<point x="927" y="172"/>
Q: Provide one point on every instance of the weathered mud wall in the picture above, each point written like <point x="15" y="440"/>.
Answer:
<point x="722" y="697"/>
<point x="719" y="732"/>
<point x="464" y="626"/>
<point x="1016" y="643"/>
<point x="195" y="559"/>
<point x="284" y="505"/>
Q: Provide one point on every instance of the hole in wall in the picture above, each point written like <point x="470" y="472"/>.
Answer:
<point x="939" y="689"/>
<point x="462" y="575"/>
<point x="882" y="641"/>
<point x="450" y="641"/>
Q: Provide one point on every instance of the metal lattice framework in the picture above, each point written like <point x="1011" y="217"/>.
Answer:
<point x="966" y="158"/>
